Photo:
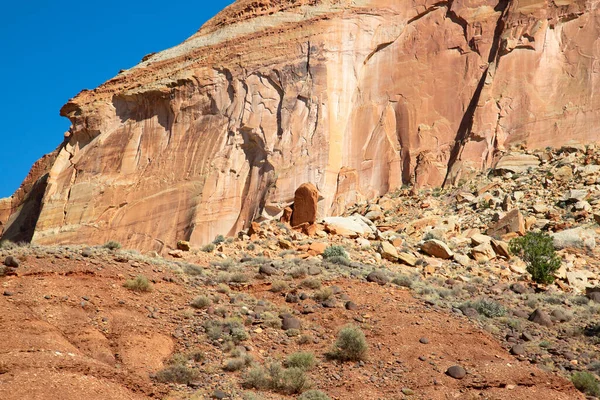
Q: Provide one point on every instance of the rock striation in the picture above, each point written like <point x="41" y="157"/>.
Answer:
<point x="357" y="97"/>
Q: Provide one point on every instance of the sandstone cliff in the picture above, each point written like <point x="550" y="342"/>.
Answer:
<point x="357" y="97"/>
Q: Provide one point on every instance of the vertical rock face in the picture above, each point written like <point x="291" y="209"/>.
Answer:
<point x="358" y="97"/>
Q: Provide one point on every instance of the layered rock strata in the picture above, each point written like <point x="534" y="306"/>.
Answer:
<point x="358" y="97"/>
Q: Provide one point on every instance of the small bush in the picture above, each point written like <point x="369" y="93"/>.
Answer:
<point x="201" y="302"/>
<point x="278" y="286"/>
<point x="238" y="363"/>
<point x="112" y="245"/>
<point x="537" y="250"/>
<point x="219" y="239"/>
<point x="403" y="280"/>
<point x="586" y="383"/>
<point x="294" y="380"/>
<point x="251" y="247"/>
<point x="209" y="248"/>
<point x="311" y="283"/>
<point x="192" y="269"/>
<point x="323" y="294"/>
<point x="486" y="307"/>
<point x="139" y="284"/>
<point x="314" y="395"/>
<point x="177" y="373"/>
<point x="351" y="345"/>
<point x="302" y="359"/>
<point x="256" y="378"/>
<point x="298" y="272"/>
<point x="335" y="251"/>
<point x="338" y="260"/>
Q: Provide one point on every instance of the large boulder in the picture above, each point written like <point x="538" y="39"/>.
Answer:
<point x="305" y="204"/>
<point x="512" y="222"/>
<point x="437" y="248"/>
<point x="575" y="238"/>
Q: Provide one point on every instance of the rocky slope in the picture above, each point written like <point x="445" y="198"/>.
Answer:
<point x="357" y="97"/>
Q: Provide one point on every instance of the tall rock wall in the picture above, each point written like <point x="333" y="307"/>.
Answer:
<point x="357" y="97"/>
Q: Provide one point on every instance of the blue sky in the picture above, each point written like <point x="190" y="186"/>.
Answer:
<point x="50" y="52"/>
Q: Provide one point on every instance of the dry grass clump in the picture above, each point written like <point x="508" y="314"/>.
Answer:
<point x="139" y="284"/>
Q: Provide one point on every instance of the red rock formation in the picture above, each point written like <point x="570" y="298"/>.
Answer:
<point x="306" y="200"/>
<point x="358" y="97"/>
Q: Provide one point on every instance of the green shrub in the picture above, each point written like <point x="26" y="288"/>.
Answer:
<point x="237" y="363"/>
<point x="219" y="239"/>
<point x="350" y="345"/>
<point x="302" y="359"/>
<point x="177" y="373"/>
<point x="201" y="302"/>
<point x="230" y="329"/>
<point x="486" y="307"/>
<point x="112" y="245"/>
<point x="256" y="378"/>
<point x="339" y="260"/>
<point x="586" y="383"/>
<point x="209" y="248"/>
<point x="537" y="250"/>
<point x="294" y="380"/>
<point x="275" y="377"/>
<point x="313" y="395"/>
<point x="335" y="251"/>
<point x="139" y="284"/>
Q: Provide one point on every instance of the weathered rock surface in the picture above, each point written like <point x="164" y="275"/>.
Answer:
<point x="358" y="97"/>
<point x="306" y="200"/>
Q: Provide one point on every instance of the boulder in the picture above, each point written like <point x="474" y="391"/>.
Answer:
<point x="306" y="198"/>
<point x="407" y="258"/>
<point x="540" y="317"/>
<point x="512" y="222"/>
<point x="483" y="252"/>
<point x="436" y="248"/>
<point x="388" y="251"/>
<point x="517" y="163"/>
<point x="574" y="238"/>
<point x="355" y="224"/>
<point x="378" y="277"/>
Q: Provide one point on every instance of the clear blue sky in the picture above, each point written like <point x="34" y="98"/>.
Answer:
<point x="53" y="49"/>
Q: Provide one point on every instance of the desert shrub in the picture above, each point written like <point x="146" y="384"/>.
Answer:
<point x="486" y="307"/>
<point x="219" y="239"/>
<point x="238" y="363"/>
<point x="176" y="373"/>
<point x="305" y="339"/>
<point x="339" y="260"/>
<point x="586" y="383"/>
<point x="335" y="251"/>
<point x="230" y="329"/>
<point x="256" y="378"/>
<point x="139" y="284"/>
<point x="223" y="288"/>
<point x="537" y="250"/>
<point x="7" y="245"/>
<point x="298" y="272"/>
<point x="323" y="294"/>
<point x="112" y="245"/>
<point x="209" y="248"/>
<point x="302" y="359"/>
<point x="276" y="377"/>
<point x="278" y="286"/>
<point x="239" y="277"/>
<point x="294" y="380"/>
<point x="192" y="269"/>
<point x="201" y="302"/>
<point x="350" y="345"/>
<point x="311" y="283"/>
<point x="313" y="395"/>
<point x="403" y="280"/>
<point x="251" y="247"/>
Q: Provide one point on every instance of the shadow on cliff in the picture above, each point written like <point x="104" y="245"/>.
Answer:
<point x="21" y="225"/>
